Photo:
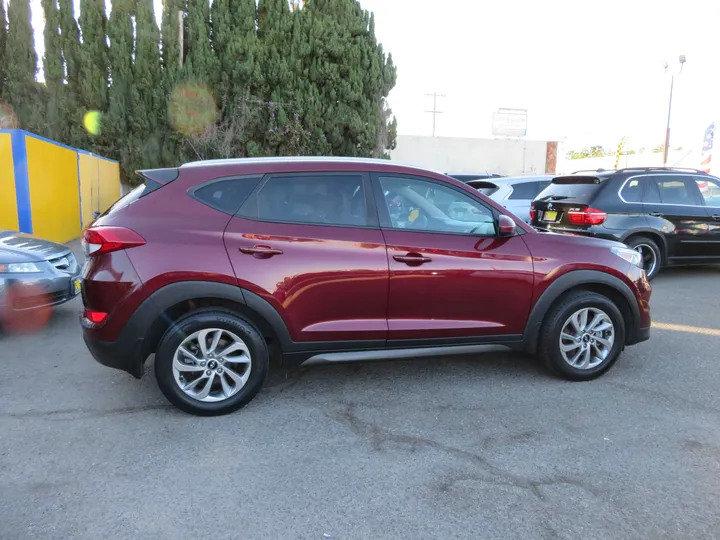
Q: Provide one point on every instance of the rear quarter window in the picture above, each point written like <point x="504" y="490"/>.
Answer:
<point x="226" y="194"/>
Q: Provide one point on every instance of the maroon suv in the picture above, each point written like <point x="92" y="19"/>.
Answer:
<point x="218" y="266"/>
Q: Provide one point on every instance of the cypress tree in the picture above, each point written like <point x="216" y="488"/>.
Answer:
<point x="146" y="91"/>
<point x="93" y="56"/>
<point x="53" y="70"/>
<point x="20" y="89"/>
<point x="200" y="61"/>
<point x="70" y="44"/>
<point x="274" y="30"/>
<point x="3" y="40"/>
<point x="170" y="153"/>
<point x="116" y="125"/>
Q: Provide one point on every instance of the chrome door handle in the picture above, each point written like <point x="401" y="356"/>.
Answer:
<point x="657" y="214"/>
<point x="412" y="259"/>
<point x="716" y="217"/>
<point x="261" y="252"/>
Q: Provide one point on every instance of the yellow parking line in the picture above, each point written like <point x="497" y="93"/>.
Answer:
<point x="685" y="328"/>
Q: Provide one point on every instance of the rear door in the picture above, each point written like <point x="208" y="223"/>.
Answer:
<point x="710" y="190"/>
<point x="451" y="276"/>
<point x="673" y="204"/>
<point x="310" y="245"/>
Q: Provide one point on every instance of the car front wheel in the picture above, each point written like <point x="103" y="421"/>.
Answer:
<point x="582" y="337"/>
<point x="211" y="363"/>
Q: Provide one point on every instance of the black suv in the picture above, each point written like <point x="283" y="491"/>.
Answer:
<point x="671" y="216"/>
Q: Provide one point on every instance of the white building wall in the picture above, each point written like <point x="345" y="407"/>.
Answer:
<point x="460" y="155"/>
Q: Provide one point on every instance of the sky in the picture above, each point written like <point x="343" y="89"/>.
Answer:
<point x="588" y="73"/>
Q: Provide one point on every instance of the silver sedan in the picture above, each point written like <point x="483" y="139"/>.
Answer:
<point x="35" y="273"/>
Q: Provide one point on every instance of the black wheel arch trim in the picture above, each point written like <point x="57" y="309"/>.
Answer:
<point x="653" y="233"/>
<point x="563" y="284"/>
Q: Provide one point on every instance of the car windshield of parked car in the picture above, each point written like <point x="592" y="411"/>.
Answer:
<point x="428" y="206"/>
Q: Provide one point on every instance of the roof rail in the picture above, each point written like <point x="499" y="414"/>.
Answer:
<point x="591" y="170"/>
<point x="662" y="169"/>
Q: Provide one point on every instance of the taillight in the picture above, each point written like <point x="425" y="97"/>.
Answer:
<point x="95" y="317"/>
<point x="99" y="240"/>
<point x="589" y="216"/>
<point x="533" y="212"/>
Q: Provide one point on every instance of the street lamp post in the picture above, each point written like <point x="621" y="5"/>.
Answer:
<point x="681" y="59"/>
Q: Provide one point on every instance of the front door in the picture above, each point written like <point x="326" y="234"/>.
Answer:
<point x="672" y="203"/>
<point x="307" y="244"/>
<point x="451" y="276"/>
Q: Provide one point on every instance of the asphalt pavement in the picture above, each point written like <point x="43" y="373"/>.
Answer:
<point x="482" y="447"/>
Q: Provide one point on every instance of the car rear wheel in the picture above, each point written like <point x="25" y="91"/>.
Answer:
<point x="211" y="363"/>
<point x="650" y="252"/>
<point x="583" y="336"/>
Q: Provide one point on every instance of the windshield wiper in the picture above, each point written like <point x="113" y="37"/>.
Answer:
<point x="556" y="198"/>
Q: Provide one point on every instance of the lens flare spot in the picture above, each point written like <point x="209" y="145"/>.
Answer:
<point x="92" y="122"/>
<point x="26" y="309"/>
<point x="192" y="109"/>
<point x="8" y="120"/>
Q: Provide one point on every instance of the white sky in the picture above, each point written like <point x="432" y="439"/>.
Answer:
<point x="588" y="73"/>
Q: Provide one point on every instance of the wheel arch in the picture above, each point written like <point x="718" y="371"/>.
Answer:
<point x="655" y="236"/>
<point x="581" y="280"/>
<point x="171" y="302"/>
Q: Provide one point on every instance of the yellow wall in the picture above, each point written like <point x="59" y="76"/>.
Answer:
<point x="88" y="187"/>
<point x="8" y="208"/>
<point x="99" y="185"/>
<point x="54" y="196"/>
<point x="109" y="183"/>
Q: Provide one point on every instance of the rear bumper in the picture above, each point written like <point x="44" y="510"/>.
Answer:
<point x="124" y="354"/>
<point x="639" y="335"/>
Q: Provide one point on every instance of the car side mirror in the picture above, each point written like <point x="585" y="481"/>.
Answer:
<point x="507" y="225"/>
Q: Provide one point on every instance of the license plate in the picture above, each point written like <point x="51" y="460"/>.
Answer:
<point x="76" y="286"/>
<point x="550" y="215"/>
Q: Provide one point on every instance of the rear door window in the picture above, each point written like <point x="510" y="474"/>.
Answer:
<point x="681" y="190"/>
<point x="573" y="189"/>
<point x="318" y="199"/>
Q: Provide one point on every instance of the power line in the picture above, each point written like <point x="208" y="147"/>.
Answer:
<point x="434" y="111"/>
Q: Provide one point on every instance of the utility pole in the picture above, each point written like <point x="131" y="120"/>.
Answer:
<point x="181" y="28"/>
<point x="666" y="148"/>
<point x="434" y="111"/>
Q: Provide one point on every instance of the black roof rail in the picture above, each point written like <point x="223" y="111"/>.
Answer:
<point x="698" y="171"/>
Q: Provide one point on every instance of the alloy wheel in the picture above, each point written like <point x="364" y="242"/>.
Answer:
<point x="212" y="365"/>
<point x="586" y="338"/>
<point x="649" y="257"/>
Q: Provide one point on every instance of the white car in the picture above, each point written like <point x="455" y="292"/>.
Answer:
<point x="514" y="192"/>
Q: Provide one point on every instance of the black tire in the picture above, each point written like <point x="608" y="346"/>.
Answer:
<point x="200" y="320"/>
<point x="549" y="342"/>
<point x="649" y="243"/>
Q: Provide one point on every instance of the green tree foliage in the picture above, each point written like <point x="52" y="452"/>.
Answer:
<point x="54" y="71"/>
<point x="201" y="63"/>
<point x="252" y="79"/>
<point x="147" y="98"/>
<point x="116" y="124"/>
<point x="93" y="56"/>
<point x="588" y="152"/>
<point x="3" y="39"/>
<point x="20" y="90"/>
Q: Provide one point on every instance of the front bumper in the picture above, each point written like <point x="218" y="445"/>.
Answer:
<point x="37" y="290"/>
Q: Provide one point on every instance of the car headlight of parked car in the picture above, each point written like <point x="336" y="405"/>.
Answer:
<point x="630" y="255"/>
<point x="19" y="268"/>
